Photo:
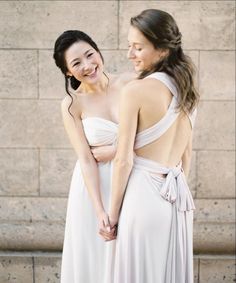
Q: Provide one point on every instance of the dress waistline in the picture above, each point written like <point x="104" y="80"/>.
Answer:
<point x="174" y="188"/>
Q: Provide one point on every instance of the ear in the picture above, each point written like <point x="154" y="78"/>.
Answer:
<point x="165" y="53"/>
<point x="68" y="73"/>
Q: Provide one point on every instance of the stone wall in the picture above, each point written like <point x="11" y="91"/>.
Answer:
<point x="36" y="159"/>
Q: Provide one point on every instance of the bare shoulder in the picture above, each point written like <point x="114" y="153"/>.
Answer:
<point x="71" y="103"/>
<point x="136" y="86"/>
<point x="123" y="78"/>
<point x="127" y="77"/>
<point x="155" y="89"/>
<point x="66" y="101"/>
<point x="143" y="90"/>
<point x="156" y="85"/>
<point x="132" y="90"/>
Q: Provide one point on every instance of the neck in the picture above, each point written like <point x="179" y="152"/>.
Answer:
<point x="99" y="87"/>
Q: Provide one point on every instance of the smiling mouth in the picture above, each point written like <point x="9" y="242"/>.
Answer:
<point x="93" y="73"/>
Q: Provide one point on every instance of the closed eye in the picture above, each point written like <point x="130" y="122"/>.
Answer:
<point x="90" y="54"/>
<point x="77" y="63"/>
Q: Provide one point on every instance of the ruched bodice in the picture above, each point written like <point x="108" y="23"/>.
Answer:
<point x="85" y="255"/>
<point x="100" y="131"/>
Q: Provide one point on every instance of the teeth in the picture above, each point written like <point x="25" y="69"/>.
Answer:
<point x="91" y="73"/>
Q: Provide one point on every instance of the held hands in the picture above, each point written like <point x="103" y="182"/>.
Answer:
<point x="107" y="227"/>
<point x="103" y="153"/>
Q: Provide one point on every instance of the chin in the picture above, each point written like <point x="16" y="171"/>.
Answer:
<point x="137" y="69"/>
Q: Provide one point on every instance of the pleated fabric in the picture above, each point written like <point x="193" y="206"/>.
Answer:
<point x="86" y="257"/>
<point x="154" y="242"/>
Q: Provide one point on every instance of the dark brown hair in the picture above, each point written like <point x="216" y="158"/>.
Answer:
<point x="161" y="30"/>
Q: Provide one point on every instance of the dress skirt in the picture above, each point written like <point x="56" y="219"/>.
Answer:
<point x="86" y="256"/>
<point x="154" y="241"/>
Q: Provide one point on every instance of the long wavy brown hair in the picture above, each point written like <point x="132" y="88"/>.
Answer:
<point x="161" y="30"/>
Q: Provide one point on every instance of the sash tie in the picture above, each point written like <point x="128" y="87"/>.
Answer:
<point x="175" y="189"/>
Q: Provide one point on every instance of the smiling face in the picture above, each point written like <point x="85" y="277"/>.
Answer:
<point x="84" y="62"/>
<point x="141" y="51"/>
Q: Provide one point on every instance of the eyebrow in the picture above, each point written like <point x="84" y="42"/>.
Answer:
<point x="139" y="43"/>
<point x="83" y="54"/>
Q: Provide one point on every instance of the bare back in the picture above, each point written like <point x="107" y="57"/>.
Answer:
<point x="154" y="102"/>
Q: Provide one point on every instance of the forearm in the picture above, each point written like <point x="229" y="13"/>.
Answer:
<point x="121" y="173"/>
<point x="104" y="153"/>
<point x="90" y="174"/>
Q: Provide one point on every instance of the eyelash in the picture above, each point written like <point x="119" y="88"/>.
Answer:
<point x="138" y="49"/>
<point x="77" y="63"/>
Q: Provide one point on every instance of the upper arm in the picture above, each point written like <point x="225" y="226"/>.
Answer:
<point x="126" y="77"/>
<point x="186" y="157"/>
<point x="188" y="149"/>
<point x="75" y="132"/>
<point x="129" y="111"/>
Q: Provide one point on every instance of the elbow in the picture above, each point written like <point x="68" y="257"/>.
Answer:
<point x="123" y="163"/>
<point x="86" y="159"/>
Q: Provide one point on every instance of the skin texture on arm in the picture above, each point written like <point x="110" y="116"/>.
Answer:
<point x="123" y="161"/>
<point x="88" y="164"/>
<point x="186" y="158"/>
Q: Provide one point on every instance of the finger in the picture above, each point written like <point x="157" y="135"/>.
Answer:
<point x="106" y="224"/>
<point x="104" y="232"/>
<point x="110" y="239"/>
<point x="105" y="236"/>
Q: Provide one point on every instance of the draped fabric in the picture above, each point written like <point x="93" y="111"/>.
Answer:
<point x="154" y="242"/>
<point x="86" y="257"/>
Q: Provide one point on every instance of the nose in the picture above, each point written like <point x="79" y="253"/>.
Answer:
<point x="86" y="66"/>
<point x="130" y="53"/>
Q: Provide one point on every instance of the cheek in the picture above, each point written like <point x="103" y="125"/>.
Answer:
<point x="97" y="59"/>
<point x="146" y="57"/>
<point x="76" y="72"/>
<point x="76" y="69"/>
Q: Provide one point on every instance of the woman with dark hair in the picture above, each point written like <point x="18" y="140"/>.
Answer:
<point x="90" y="116"/>
<point x="151" y="202"/>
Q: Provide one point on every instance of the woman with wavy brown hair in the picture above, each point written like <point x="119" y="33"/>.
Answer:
<point x="151" y="201"/>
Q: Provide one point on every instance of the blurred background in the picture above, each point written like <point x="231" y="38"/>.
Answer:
<point x="36" y="159"/>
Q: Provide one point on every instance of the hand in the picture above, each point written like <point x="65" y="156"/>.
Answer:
<point x="110" y="234"/>
<point x="103" y="153"/>
<point x="104" y="225"/>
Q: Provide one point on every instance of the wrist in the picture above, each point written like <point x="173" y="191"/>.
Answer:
<point x="99" y="210"/>
<point x="114" y="217"/>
